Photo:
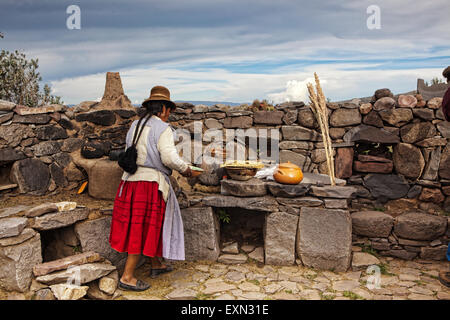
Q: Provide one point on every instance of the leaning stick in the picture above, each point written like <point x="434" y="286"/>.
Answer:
<point x="319" y="108"/>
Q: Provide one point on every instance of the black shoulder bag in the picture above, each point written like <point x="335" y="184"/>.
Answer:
<point x="127" y="159"/>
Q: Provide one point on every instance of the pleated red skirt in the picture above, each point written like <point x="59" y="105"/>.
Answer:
<point x="137" y="219"/>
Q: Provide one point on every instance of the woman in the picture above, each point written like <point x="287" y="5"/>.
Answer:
<point x="146" y="217"/>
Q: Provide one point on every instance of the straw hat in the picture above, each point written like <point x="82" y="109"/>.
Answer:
<point x="159" y="93"/>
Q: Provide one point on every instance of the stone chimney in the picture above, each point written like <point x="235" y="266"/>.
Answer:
<point x="114" y="96"/>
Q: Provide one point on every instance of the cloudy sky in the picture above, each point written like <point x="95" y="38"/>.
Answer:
<point x="230" y="50"/>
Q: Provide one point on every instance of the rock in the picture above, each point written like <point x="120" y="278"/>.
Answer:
<point x="279" y="238"/>
<point x="46" y="148"/>
<point x="336" y="203"/>
<point x="231" y="248"/>
<point x="95" y="293"/>
<point x="95" y="150"/>
<point x="266" y="204"/>
<point x="401" y="254"/>
<point x="66" y="291"/>
<point x="9" y="155"/>
<point x="345" y="117"/>
<point x="320" y="179"/>
<point x="287" y="191"/>
<point x="337" y="133"/>
<point x="345" y="285"/>
<point x="432" y="165"/>
<point x="11" y="227"/>
<point x="218" y="287"/>
<point x="64" y="263"/>
<point x="80" y="273"/>
<point x="432" y="142"/>
<point x="11" y="211"/>
<point x="396" y="117"/>
<point x="425" y="114"/>
<point x="344" y="162"/>
<point x="72" y="144"/>
<point x="182" y="294"/>
<point x="44" y="294"/>
<point x="373" y="224"/>
<point x="16" y="264"/>
<point x="26" y="234"/>
<point x="365" y="108"/>
<point x="385" y="103"/>
<point x="201" y="234"/>
<point x="444" y="129"/>
<point x="31" y="175"/>
<point x="108" y="284"/>
<point x="370" y="134"/>
<point x="324" y="238"/>
<point x="432" y="195"/>
<point x="299" y="133"/>
<point x="374" y="167"/>
<point x="57" y="220"/>
<point x="362" y="260"/>
<point x="104" y="176"/>
<point x="41" y="209"/>
<point x="268" y="117"/>
<point x="407" y="101"/>
<point x="307" y="119"/>
<point x="242" y="122"/>
<point x="340" y="192"/>
<point x="373" y="119"/>
<point x="299" y="202"/>
<point x="380" y="93"/>
<point x="293" y="157"/>
<point x="13" y="134"/>
<point x="126" y="114"/>
<point x="50" y="132"/>
<point x="420" y="226"/>
<point x="386" y="186"/>
<point x="232" y="258"/>
<point x="444" y="165"/>
<point x="257" y="254"/>
<point x="290" y="116"/>
<point x="415" y="132"/>
<point x="57" y="174"/>
<point x="434" y="253"/>
<point x="247" y="248"/>
<point x="101" y="117"/>
<point x="213" y="124"/>
<point x="94" y="236"/>
<point x="434" y="103"/>
<point x="408" y="160"/>
<point x="32" y="119"/>
<point x="6" y="105"/>
<point x="250" y="188"/>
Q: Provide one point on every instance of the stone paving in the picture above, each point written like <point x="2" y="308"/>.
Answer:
<point x="400" y="280"/>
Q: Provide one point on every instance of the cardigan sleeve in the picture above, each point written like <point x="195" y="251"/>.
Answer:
<point x="168" y="152"/>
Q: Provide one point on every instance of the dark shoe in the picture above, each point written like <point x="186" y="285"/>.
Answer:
<point x="156" y="272"/>
<point x="444" y="278"/>
<point x="140" y="286"/>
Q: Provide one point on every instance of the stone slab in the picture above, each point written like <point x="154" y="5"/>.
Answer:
<point x="62" y="264"/>
<point x="279" y="238"/>
<point x="61" y="219"/>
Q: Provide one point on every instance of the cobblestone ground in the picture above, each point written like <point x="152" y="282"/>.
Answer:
<point x="400" y="280"/>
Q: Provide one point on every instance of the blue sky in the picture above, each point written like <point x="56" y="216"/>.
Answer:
<point x="230" y="50"/>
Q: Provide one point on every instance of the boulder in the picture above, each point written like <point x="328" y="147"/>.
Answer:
<point x="293" y="157"/>
<point x="101" y="117"/>
<point x="400" y="253"/>
<point x="13" y="134"/>
<point x="434" y="253"/>
<point x="444" y="129"/>
<point x="11" y="211"/>
<point x="425" y="114"/>
<point x="31" y="176"/>
<point x="108" y="284"/>
<point x="365" y="108"/>
<point x="57" y="174"/>
<point x="434" y="103"/>
<point x="373" y="224"/>
<point x="407" y="101"/>
<point x="396" y="117"/>
<point x="66" y="291"/>
<point x="420" y="226"/>
<point x="324" y="239"/>
<point x="344" y="162"/>
<point x="307" y="119"/>
<point x="286" y="190"/>
<point x="6" y="105"/>
<point x="415" y="132"/>
<point x="370" y="134"/>
<point x="250" y="188"/>
<point x="340" y="192"/>
<point x="290" y="116"/>
<point x="50" y="132"/>
<point x="46" y="148"/>
<point x="384" y="103"/>
<point x="61" y="219"/>
<point x="386" y="186"/>
<point x="9" y="155"/>
<point x="432" y="165"/>
<point x="268" y="117"/>
<point x="242" y="122"/>
<point x="362" y="260"/>
<point x="279" y="238"/>
<point x="381" y="93"/>
<point x="11" y="227"/>
<point x="431" y="195"/>
<point x="17" y="262"/>
<point x="345" y="117"/>
<point x="94" y="236"/>
<point x="26" y="234"/>
<point x="32" y="119"/>
<point x="373" y="119"/>
<point x="78" y="273"/>
<point x="296" y="145"/>
<point x="444" y="165"/>
<point x="72" y="144"/>
<point x="300" y="133"/>
<point x="201" y="233"/>
<point x="408" y="160"/>
<point x="95" y="150"/>
<point x="64" y="263"/>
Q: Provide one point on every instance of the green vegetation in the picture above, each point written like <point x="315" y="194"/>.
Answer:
<point x="384" y="269"/>
<point x="202" y="296"/>
<point x="224" y="216"/>
<point x="352" y="295"/>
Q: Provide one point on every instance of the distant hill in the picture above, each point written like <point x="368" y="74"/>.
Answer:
<point x="211" y="103"/>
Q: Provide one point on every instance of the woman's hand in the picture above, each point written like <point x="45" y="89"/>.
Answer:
<point x="187" y="172"/>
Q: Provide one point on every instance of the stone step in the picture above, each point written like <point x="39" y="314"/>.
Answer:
<point x="62" y="264"/>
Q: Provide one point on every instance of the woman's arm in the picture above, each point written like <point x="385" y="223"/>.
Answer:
<point x="168" y="151"/>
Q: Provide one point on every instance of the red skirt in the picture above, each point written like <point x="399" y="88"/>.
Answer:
<point x="137" y="219"/>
